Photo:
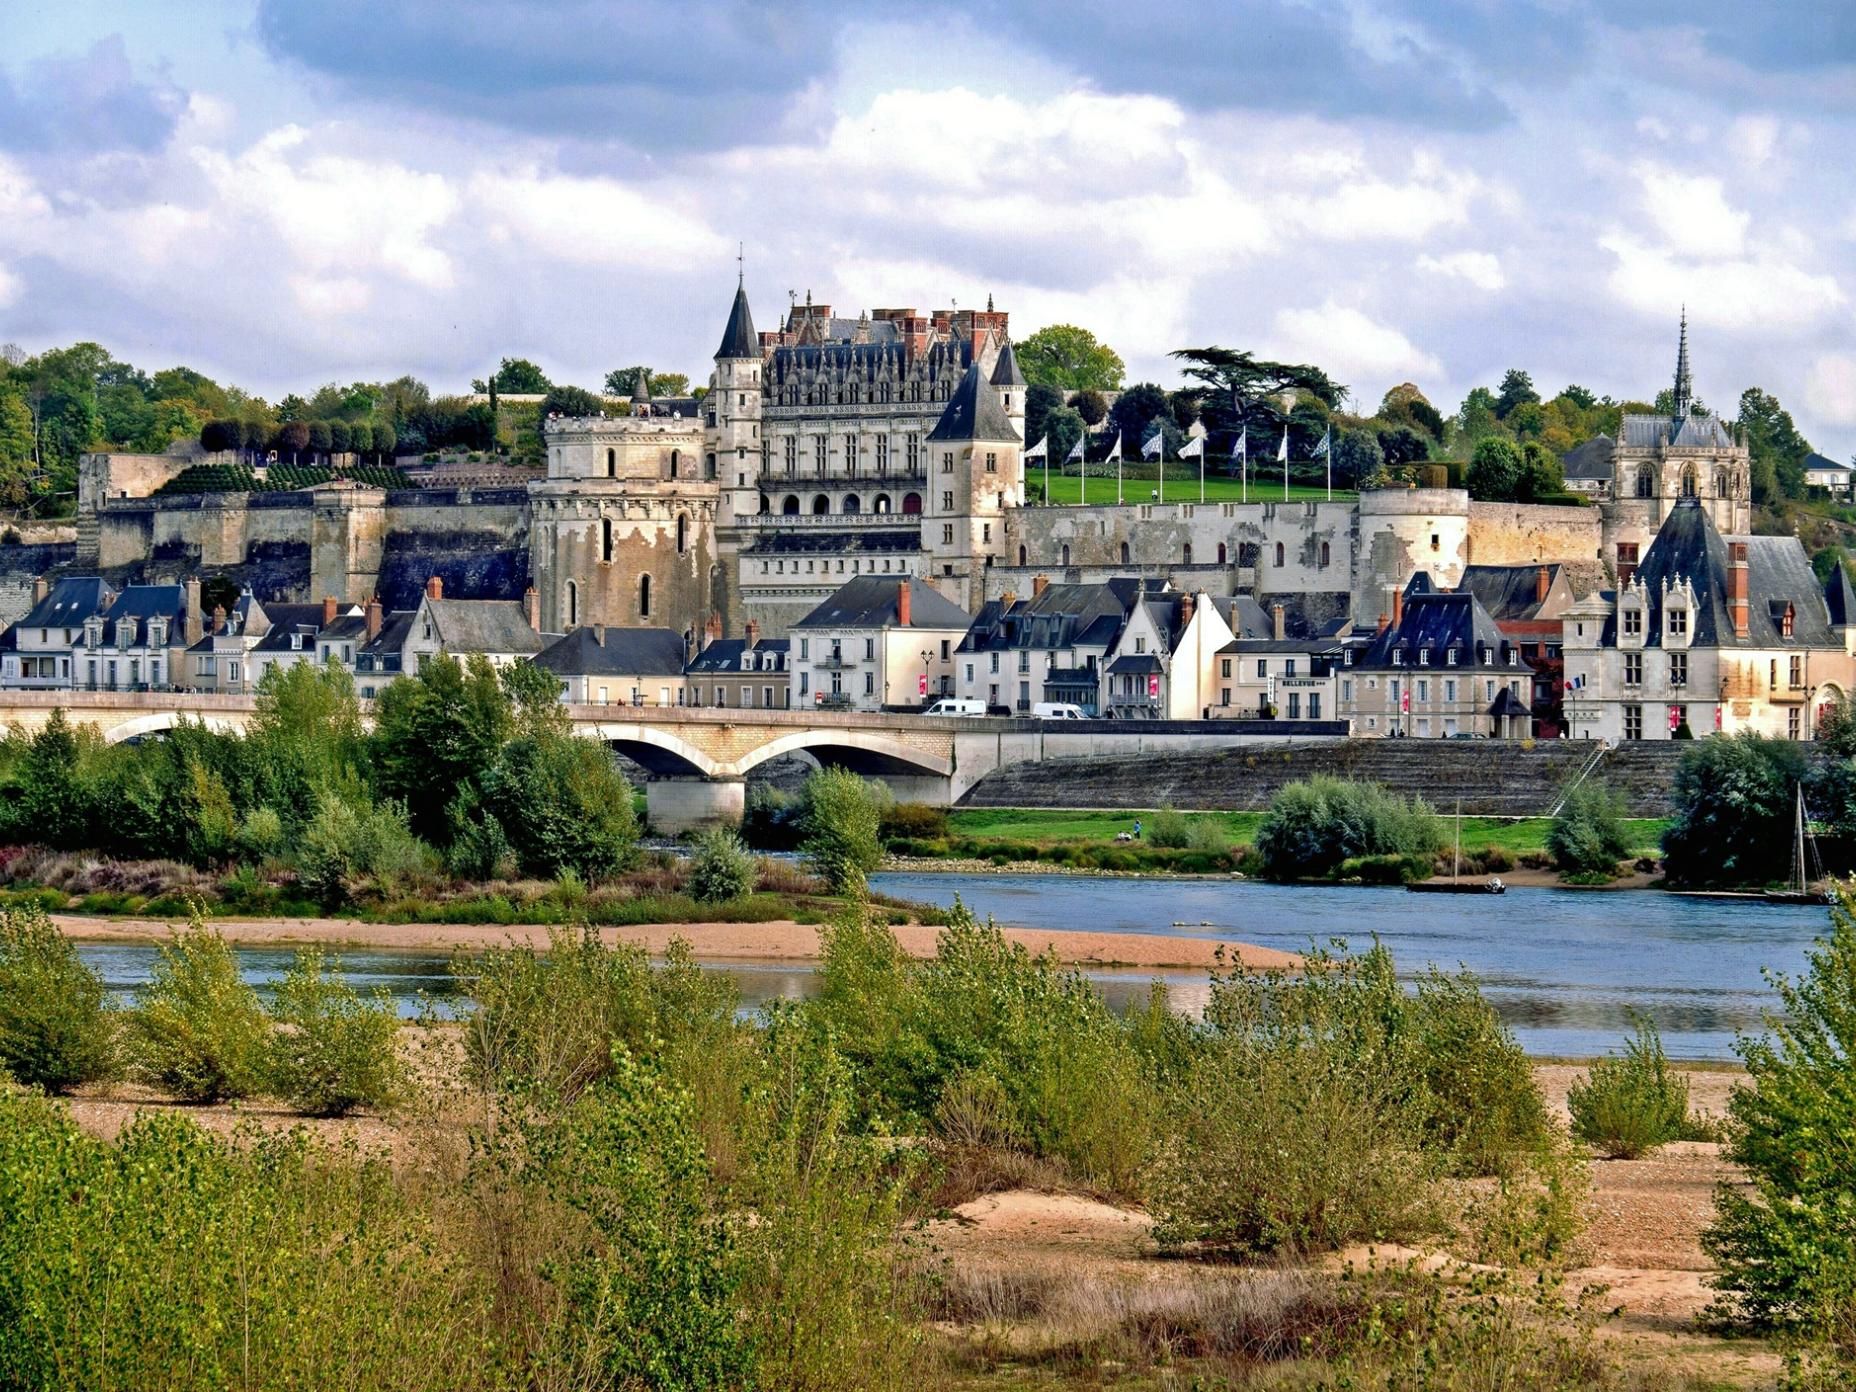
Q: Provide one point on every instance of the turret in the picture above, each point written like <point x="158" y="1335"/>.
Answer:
<point x="976" y="473"/>
<point x="732" y="414"/>
<point x="1010" y="383"/>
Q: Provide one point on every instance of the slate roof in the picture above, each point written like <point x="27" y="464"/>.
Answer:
<point x="1815" y="463"/>
<point x="483" y="626"/>
<point x="141" y="603"/>
<point x="1508" y="592"/>
<point x="869" y="601"/>
<point x="1507" y="704"/>
<point x="1690" y="432"/>
<point x="724" y="655"/>
<point x="1134" y="662"/>
<point x="739" y="339"/>
<point x="287" y="619"/>
<point x="1590" y="461"/>
<point x="813" y="543"/>
<point x="1688" y="546"/>
<point x="68" y="603"/>
<point x="974" y="412"/>
<point x="1436" y="623"/>
<point x="870" y="362"/>
<point x="1063" y="616"/>
<point x="594" y="651"/>
<point x="386" y="650"/>
<point x="1005" y="372"/>
<point x="1840" y="598"/>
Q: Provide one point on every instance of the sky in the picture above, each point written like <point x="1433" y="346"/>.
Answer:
<point x="284" y="193"/>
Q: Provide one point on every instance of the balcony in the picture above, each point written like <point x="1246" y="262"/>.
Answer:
<point x="834" y="662"/>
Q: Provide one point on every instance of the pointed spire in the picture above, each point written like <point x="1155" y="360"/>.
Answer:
<point x="1005" y="372"/>
<point x="641" y="387"/>
<point x="974" y="412"/>
<point x="1685" y="386"/>
<point x="739" y="339"/>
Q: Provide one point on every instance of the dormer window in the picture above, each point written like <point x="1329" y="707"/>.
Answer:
<point x="1785" y="621"/>
<point x="1633" y="622"/>
<point x="157" y="632"/>
<point x="1424" y="657"/>
<point x="1677" y="620"/>
<point x="125" y="633"/>
<point x="1398" y="657"/>
<point x="1450" y="657"/>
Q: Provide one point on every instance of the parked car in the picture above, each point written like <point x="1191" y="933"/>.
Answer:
<point x="956" y="705"/>
<point x="1057" y="710"/>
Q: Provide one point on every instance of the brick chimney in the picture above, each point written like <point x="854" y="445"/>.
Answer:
<point x="751" y="633"/>
<point x="328" y="611"/>
<point x="902" y="604"/>
<point x="435" y="588"/>
<point x="531" y="608"/>
<point x="1186" y="605"/>
<point x="219" y="617"/>
<point x="41" y="587"/>
<point x="1627" y="562"/>
<point x="1039" y="584"/>
<point x="1007" y="600"/>
<point x="712" y="630"/>
<point x="373" y="612"/>
<point x="1398" y="606"/>
<point x="1382" y="622"/>
<point x="1277" y="626"/>
<point x="1738" y="604"/>
<point x="196" y="627"/>
<point x="1543" y="580"/>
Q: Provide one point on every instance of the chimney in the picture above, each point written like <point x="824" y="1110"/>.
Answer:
<point x="902" y="604"/>
<point x="1627" y="562"/>
<point x="1277" y="626"/>
<point x="1008" y="599"/>
<point x="1737" y="603"/>
<point x="1039" y="584"/>
<point x="1543" y="579"/>
<point x="1398" y="606"/>
<point x="1382" y="622"/>
<point x="599" y="634"/>
<point x="712" y="630"/>
<point x="752" y="633"/>
<point x="435" y="588"/>
<point x="531" y="608"/>
<point x="328" y="611"/>
<point x="196" y="628"/>
<point x="1186" y="605"/>
<point x="41" y="587"/>
<point x="374" y="616"/>
<point x="219" y="617"/>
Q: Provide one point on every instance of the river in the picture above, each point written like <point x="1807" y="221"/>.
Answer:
<point x="1563" y="967"/>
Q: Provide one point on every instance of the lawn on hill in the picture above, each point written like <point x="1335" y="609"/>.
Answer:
<point x="1068" y="488"/>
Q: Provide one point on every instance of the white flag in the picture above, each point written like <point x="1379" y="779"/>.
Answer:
<point x="1282" y="450"/>
<point x="1320" y="451"/>
<point x="1076" y="450"/>
<point x="1155" y="448"/>
<point x="1116" y="452"/>
<point x="1038" y="450"/>
<point x="1193" y="448"/>
<point x="1243" y="445"/>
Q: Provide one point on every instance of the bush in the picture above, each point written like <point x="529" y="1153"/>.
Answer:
<point x="261" y="834"/>
<point x="772" y="820"/>
<point x="1313" y="825"/>
<point x="335" y="1051"/>
<point x="840" y="840"/>
<point x="721" y="868"/>
<point x="1630" y="1106"/>
<point x="54" y="1030"/>
<point x="1167" y="830"/>
<point x="1386" y="869"/>
<point x="1735" y="800"/>
<point x="347" y="839"/>
<point x="562" y="803"/>
<point x="199" y="1032"/>
<point x="1786" y="1243"/>
<point x="1588" y="834"/>
<point x="917" y="821"/>
<point x="1208" y="834"/>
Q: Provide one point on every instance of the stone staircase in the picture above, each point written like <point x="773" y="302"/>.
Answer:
<point x="1492" y="777"/>
<point x="1644" y="771"/>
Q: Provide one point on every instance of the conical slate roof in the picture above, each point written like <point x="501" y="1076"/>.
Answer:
<point x="1005" y="372"/>
<point x="974" y="413"/>
<point x="739" y="339"/>
<point x="641" y="386"/>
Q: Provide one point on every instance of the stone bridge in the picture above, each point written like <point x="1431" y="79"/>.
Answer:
<point x="698" y="758"/>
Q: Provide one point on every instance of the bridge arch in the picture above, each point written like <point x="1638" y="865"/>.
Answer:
<point x="159" y="722"/>
<point x="656" y="749"/>
<point x="871" y="753"/>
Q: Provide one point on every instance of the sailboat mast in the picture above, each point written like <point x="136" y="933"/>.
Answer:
<point x="1456" y="854"/>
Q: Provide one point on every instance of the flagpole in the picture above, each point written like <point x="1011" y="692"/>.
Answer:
<point x="1327" y="454"/>
<point x="1284" y="452"/>
<point x="1243" y="466"/>
<point x="1118" y="467"/>
<point x="1163" y="464"/>
<point x="1201" y="468"/>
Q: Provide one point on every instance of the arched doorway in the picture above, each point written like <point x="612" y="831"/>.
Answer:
<point x="821" y="505"/>
<point x="911" y="504"/>
<point x="789" y="506"/>
<point x="852" y="503"/>
<point x="880" y="504"/>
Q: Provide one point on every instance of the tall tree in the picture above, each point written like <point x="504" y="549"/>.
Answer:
<point x="621" y="381"/>
<point x="575" y="402"/>
<point x="1063" y="355"/>
<point x="1040" y="401"/>
<point x="515" y="376"/>
<point x="1777" y="448"/>
<point x="1134" y="410"/>
<point x="1517" y="387"/>
<point x="1245" y="391"/>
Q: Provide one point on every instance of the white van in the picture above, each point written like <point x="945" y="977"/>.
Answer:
<point x="1057" y="710"/>
<point x="955" y="705"/>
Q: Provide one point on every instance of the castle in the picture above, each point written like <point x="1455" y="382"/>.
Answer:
<point x="890" y="444"/>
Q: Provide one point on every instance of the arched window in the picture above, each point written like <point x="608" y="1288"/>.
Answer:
<point x="1021" y="555"/>
<point x="852" y="502"/>
<point x="1720" y="483"/>
<point x="1186" y="554"/>
<point x="821" y="505"/>
<point x="605" y="539"/>
<point x="676" y="459"/>
<point x="1643" y="482"/>
<point x="1324" y="555"/>
<point x="1279" y="553"/>
<point x="911" y="504"/>
<point x="683" y="533"/>
<point x="572" y="604"/>
<point x="881" y="503"/>
<point x="612" y="463"/>
<point x="1066" y="553"/>
<point x="1221" y="553"/>
<point x="1688" y="482"/>
<point x="644" y="596"/>
<point x="766" y="504"/>
<point x="1124" y="553"/>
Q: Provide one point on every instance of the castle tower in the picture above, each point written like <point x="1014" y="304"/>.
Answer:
<point x="732" y="415"/>
<point x="975" y="476"/>
<point x="1010" y="383"/>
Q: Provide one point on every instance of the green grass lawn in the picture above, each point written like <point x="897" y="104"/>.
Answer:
<point x="1050" y="826"/>
<point x="1218" y="489"/>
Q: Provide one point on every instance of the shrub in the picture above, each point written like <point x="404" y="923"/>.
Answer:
<point x="336" y="1051"/>
<point x="1786" y="1243"/>
<point x="1168" y="829"/>
<point x="1313" y="825"/>
<point x="54" y="1030"/>
<point x="199" y="1032"/>
<point x="1386" y="869"/>
<point x="772" y="820"/>
<point x="1208" y="834"/>
<point x="721" y="868"/>
<point x="917" y="821"/>
<point x="1628" y="1106"/>
<point x="562" y="803"/>
<point x="840" y="840"/>
<point x="1588" y="834"/>
<point x="261" y="834"/>
<point x="347" y="839"/>
<point x="1734" y="806"/>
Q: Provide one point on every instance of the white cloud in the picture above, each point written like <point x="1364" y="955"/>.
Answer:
<point x="1692" y="212"/>
<point x="9" y="287"/>
<point x="1481" y="269"/>
<point x="589" y="221"/>
<point x="1755" y="292"/>
<point x="1830" y="388"/>
<point x="330" y="297"/>
<point x="1753" y="139"/>
<point x="1350" y="345"/>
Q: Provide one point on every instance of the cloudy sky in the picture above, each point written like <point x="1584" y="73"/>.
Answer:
<point x="286" y="192"/>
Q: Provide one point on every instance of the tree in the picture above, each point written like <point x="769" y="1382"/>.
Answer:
<point x="361" y="437"/>
<point x="1541" y="474"/>
<point x="1494" y="471"/>
<point x="517" y="376"/>
<point x="435" y="734"/>
<point x="622" y="381"/>
<point x="1516" y="388"/>
<point x="1406" y="405"/>
<point x="572" y="402"/>
<point x="1588" y="836"/>
<point x="385" y="441"/>
<point x="1581" y="397"/>
<point x="841" y="841"/>
<point x="219" y="435"/>
<point x="1185" y="406"/>
<point x="1040" y="401"/>
<point x="1244" y="391"/>
<point x="1064" y="427"/>
<point x="1476" y="417"/>
<point x="1777" y="448"/>
<point x="1063" y="355"/>
<point x="1735" y="801"/>
<point x="1134" y="410"/>
<point x="292" y="439"/>
<point x="563" y="806"/>
<point x="1090" y="406"/>
<point x="341" y="438"/>
<point x="1358" y="458"/>
<point x="1402" y="445"/>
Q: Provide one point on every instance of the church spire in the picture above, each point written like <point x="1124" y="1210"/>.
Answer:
<point x="1685" y="385"/>
<point x="739" y="339"/>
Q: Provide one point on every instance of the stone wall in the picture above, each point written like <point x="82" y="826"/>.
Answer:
<point x="20" y="566"/>
<point x="1522" y="534"/>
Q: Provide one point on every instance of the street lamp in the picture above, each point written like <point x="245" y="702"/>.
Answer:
<point x="927" y="657"/>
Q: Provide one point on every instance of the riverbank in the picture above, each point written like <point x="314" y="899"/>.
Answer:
<point x="787" y="942"/>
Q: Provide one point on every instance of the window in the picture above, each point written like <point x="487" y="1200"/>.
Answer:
<point x="1633" y="722"/>
<point x="1450" y="657"/>
<point x="644" y="596"/>
<point x="1424" y="689"/>
<point x="1263" y="668"/>
<point x="1221" y="553"/>
<point x="1295" y="705"/>
<point x="1677" y="620"/>
<point x="612" y="463"/>
<point x="1124" y="553"/>
<point x="683" y="533"/>
<point x="1633" y="623"/>
<point x="1398" y="657"/>
<point x="947" y="462"/>
<point x="805" y="683"/>
<point x="1678" y="669"/>
<point x="869" y="650"/>
<point x="1424" y="657"/>
<point x="1140" y="645"/>
<point x="992" y="463"/>
<point x="231" y="670"/>
<point x="1797" y="672"/>
<point x="850" y="453"/>
<point x="1314" y="705"/>
<point x="818" y="452"/>
<point x="1324" y="555"/>
<point x="947" y="502"/>
<point x="747" y="696"/>
<point x="1793" y="725"/>
<point x="1279" y="553"/>
<point x="869" y="683"/>
<point x="1449" y="688"/>
<point x="947" y="534"/>
<point x="1224" y="670"/>
<point x="986" y="535"/>
<point x="1785" y="626"/>
<point x="804" y="645"/>
<point x="993" y="665"/>
<point x="605" y="540"/>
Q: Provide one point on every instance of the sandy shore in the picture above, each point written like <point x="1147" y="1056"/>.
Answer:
<point x="727" y="942"/>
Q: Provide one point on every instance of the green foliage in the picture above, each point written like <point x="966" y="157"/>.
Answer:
<point x="1629" y="1106"/>
<point x="1785" y="1242"/>
<point x="436" y="733"/>
<point x="336" y="1051"/>
<point x="350" y="837"/>
<point x="772" y="820"/>
<point x="1167" y="829"/>
<point x="199" y="1031"/>
<point x="1777" y="449"/>
<point x="55" y="1032"/>
<point x="514" y="375"/>
<point x="1495" y="471"/>
<point x="840" y="841"/>
<point x="1735" y="803"/>
<point x="918" y="819"/>
<point x="721" y="868"/>
<point x="1315" y="824"/>
<point x="1071" y="358"/>
<point x="572" y="402"/>
<point x="1590" y="834"/>
<point x="563" y="804"/>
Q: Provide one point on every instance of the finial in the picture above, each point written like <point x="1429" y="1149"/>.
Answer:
<point x="741" y="265"/>
<point x="989" y="302"/>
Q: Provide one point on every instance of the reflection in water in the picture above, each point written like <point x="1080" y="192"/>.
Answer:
<point x="1564" y="969"/>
